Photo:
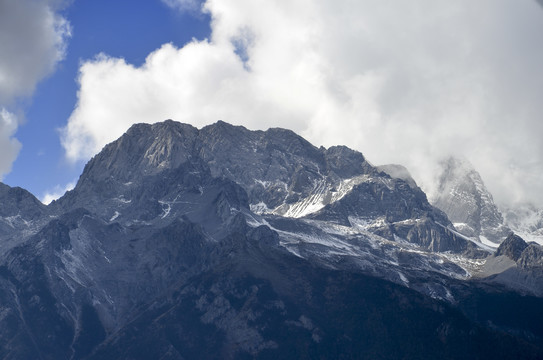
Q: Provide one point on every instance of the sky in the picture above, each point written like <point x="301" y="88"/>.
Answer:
<point x="406" y="82"/>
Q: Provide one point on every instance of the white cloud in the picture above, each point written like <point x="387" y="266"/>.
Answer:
<point x="9" y="146"/>
<point x="32" y="41"/>
<point x="404" y="82"/>
<point x="56" y="192"/>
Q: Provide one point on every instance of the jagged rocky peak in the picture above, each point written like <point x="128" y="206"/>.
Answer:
<point x="527" y="255"/>
<point x="276" y="167"/>
<point x="512" y="247"/>
<point x="463" y="196"/>
<point x="144" y="149"/>
<point x="19" y="202"/>
<point x="346" y="163"/>
<point x="21" y="213"/>
<point x="277" y="160"/>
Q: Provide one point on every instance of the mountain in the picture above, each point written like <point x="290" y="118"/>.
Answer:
<point x="526" y="220"/>
<point x="281" y="173"/>
<point x="517" y="264"/>
<point x="221" y="242"/>
<point x="462" y="195"/>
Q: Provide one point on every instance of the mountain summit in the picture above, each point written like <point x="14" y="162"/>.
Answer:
<point x="463" y="196"/>
<point x="222" y="242"/>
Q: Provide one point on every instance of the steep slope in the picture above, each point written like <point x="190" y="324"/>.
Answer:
<point x="262" y="303"/>
<point x="463" y="196"/>
<point x="81" y="278"/>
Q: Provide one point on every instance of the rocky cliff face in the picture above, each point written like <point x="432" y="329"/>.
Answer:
<point x="21" y="214"/>
<point x="512" y="247"/>
<point x="463" y="196"/>
<point x="221" y="242"/>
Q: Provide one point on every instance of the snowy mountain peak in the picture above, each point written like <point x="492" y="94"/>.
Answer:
<point x="463" y="196"/>
<point x="526" y="220"/>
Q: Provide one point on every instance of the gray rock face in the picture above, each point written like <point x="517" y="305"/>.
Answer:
<point x="221" y="242"/>
<point x="531" y="257"/>
<point x="17" y="202"/>
<point x="512" y="247"/>
<point x="21" y="215"/>
<point x="463" y="196"/>
<point x="524" y="265"/>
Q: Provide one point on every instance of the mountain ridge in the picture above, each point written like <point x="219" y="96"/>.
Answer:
<point x="282" y="173"/>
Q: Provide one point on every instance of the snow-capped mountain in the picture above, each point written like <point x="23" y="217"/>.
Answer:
<point x="463" y="196"/>
<point x="221" y="242"/>
<point x="525" y="220"/>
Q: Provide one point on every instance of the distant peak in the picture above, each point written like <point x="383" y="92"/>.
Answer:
<point x="512" y="247"/>
<point x="223" y="124"/>
<point x="458" y="165"/>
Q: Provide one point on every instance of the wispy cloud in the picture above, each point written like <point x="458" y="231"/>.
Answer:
<point x="56" y="192"/>
<point x="184" y="5"/>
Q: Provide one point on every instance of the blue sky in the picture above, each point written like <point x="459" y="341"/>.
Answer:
<point x="403" y="82"/>
<point x="120" y="28"/>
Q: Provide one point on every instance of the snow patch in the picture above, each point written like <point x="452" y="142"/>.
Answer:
<point x="166" y="208"/>
<point x="322" y="194"/>
<point x="264" y="184"/>
<point x="115" y="216"/>
<point x="488" y="243"/>
<point x="121" y="199"/>
<point x="403" y="278"/>
<point x="260" y="208"/>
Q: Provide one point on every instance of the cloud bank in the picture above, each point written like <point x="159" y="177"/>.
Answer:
<point x="32" y="40"/>
<point x="403" y="82"/>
